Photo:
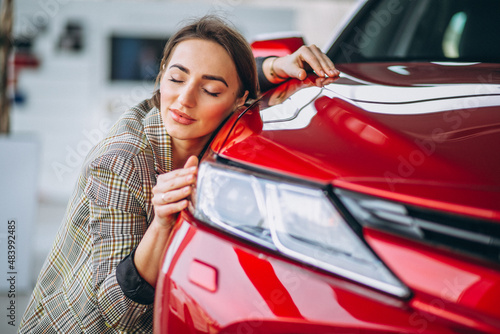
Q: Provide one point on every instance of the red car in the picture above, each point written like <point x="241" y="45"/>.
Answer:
<point x="370" y="205"/>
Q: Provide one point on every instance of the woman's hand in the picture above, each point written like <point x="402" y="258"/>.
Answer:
<point x="172" y="190"/>
<point x="297" y="64"/>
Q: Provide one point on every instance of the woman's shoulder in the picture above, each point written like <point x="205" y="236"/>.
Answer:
<point x="132" y="122"/>
<point x="127" y="138"/>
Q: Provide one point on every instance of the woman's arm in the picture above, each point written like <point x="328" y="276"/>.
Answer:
<point x="117" y="223"/>
<point x="126" y="250"/>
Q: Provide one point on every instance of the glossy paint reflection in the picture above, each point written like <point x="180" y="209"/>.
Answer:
<point x="259" y="293"/>
<point x="460" y="290"/>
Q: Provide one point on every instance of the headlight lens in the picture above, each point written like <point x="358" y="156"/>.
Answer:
<point x="298" y="221"/>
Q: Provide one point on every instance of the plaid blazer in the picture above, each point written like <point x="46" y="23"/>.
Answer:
<point x="108" y="214"/>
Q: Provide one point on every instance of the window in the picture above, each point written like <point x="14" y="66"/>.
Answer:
<point x="422" y="30"/>
<point x="135" y="58"/>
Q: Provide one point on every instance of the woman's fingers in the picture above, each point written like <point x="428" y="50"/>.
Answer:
<point x="168" y="210"/>
<point x="172" y="190"/>
<point x="175" y="174"/>
<point x="320" y="62"/>
<point x="323" y="81"/>
<point x="172" y="196"/>
<point x="192" y="162"/>
<point x="175" y="179"/>
<point x="180" y="178"/>
<point x="317" y="60"/>
<point x="296" y="64"/>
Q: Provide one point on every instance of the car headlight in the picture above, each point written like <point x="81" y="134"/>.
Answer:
<point x="298" y="221"/>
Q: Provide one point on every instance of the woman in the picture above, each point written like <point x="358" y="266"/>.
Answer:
<point x="102" y="270"/>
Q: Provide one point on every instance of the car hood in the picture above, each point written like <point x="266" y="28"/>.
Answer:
<point x="425" y="139"/>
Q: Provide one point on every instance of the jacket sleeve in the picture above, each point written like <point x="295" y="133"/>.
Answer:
<point x="117" y="223"/>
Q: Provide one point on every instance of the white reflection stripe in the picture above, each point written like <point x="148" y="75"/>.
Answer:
<point x="428" y="107"/>
<point x="302" y="120"/>
<point x="453" y="63"/>
<point x="391" y="94"/>
<point x="174" y="246"/>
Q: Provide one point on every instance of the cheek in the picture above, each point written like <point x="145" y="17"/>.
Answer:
<point x="164" y="89"/>
<point x="166" y="97"/>
<point x="218" y="111"/>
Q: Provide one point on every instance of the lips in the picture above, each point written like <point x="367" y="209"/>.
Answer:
<point x="181" y="117"/>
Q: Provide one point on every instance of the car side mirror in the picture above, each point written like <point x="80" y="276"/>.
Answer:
<point x="276" y="45"/>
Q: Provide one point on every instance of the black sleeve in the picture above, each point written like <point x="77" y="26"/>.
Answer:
<point x="132" y="284"/>
<point x="264" y="84"/>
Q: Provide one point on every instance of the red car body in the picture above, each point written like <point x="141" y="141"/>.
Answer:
<point x="423" y="135"/>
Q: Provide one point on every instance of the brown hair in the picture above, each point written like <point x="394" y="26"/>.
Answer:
<point x="213" y="28"/>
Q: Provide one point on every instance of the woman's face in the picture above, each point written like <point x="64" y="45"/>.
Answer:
<point x="199" y="89"/>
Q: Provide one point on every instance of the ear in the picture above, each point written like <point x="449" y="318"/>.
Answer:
<point x="241" y="100"/>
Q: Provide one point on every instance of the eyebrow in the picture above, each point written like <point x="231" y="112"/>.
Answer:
<point x="205" y="76"/>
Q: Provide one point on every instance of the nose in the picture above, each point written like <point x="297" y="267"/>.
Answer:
<point x="187" y="96"/>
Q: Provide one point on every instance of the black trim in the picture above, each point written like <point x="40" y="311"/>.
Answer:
<point x="475" y="238"/>
<point x="426" y="100"/>
<point x="264" y="84"/>
<point x="132" y="284"/>
<point x="271" y="175"/>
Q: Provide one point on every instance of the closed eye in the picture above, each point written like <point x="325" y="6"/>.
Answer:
<point x="174" y="80"/>
<point x="211" y="94"/>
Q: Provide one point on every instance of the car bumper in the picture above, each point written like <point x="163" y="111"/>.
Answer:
<point x="212" y="283"/>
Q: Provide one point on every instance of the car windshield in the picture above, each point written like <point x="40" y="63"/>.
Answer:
<point x="422" y="30"/>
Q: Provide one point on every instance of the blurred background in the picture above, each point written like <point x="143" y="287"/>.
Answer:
<point x="74" y="67"/>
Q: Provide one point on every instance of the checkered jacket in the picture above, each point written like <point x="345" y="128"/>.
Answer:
<point x="108" y="214"/>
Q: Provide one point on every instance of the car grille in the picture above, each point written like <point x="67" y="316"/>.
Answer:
<point x="474" y="237"/>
